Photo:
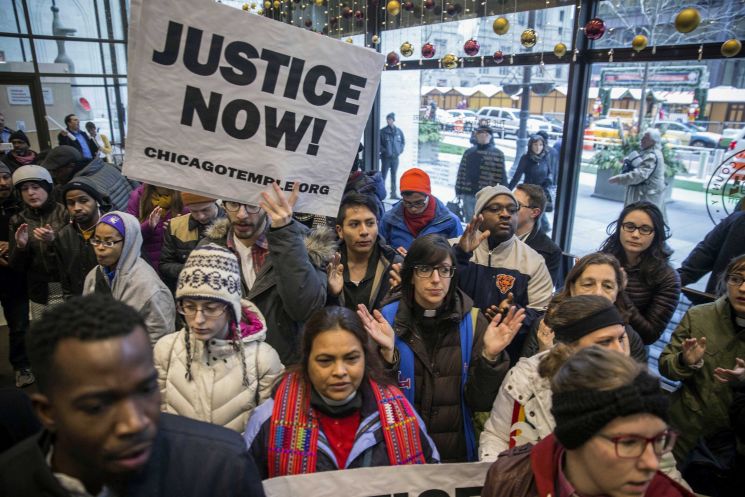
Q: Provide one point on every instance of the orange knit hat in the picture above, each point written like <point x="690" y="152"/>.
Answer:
<point x="415" y="180"/>
<point x="192" y="198"/>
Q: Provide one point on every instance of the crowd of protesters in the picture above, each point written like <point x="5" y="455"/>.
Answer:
<point x="198" y="346"/>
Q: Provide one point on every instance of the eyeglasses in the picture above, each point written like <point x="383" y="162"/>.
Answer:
<point x="644" y="229"/>
<point x="633" y="446"/>
<point x="97" y="242"/>
<point x="236" y="206"/>
<point x="416" y="204"/>
<point x="209" y="310"/>
<point x="735" y="279"/>
<point x="521" y="206"/>
<point x="497" y="208"/>
<point x="425" y="271"/>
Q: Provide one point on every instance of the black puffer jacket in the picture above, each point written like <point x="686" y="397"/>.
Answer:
<point x="437" y="372"/>
<point x="38" y="259"/>
<point x="480" y="166"/>
<point x="76" y="259"/>
<point x="109" y="180"/>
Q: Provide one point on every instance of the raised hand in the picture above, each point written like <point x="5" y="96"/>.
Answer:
<point x="154" y="218"/>
<point x="335" y="272"/>
<point x="45" y="234"/>
<point x="506" y="304"/>
<point x="278" y="206"/>
<point x="471" y="237"/>
<point x="22" y="236"/>
<point x="737" y="374"/>
<point x="501" y="331"/>
<point x="545" y="336"/>
<point x="379" y="330"/>
<point x="402" y="251"/>
<point x="693" y="350"/>
<point x="395" y="275"/>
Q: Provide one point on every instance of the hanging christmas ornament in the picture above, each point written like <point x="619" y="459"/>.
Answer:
<point x="428" y="50"/>
<point x="267" y="4"/>
<point x="595" y="29"/>
<point x="450" y="61"/>
<point x="471" y="47"/>
<point x="498" y="57"/>
<point x="528" y="38"/>
<point x="731" y="47"/>
<point x="639" y="43"/>
<point x="260" y="11"/>
<point x="253" y="5"/>
<point x="407" y="49"/>
<point x="560" y="50"/>
<point x="501" y="25"/>
<point x="393" y="7"/>
<point x="318" y="2"/>
<point x="246" y="6"/>
<point x="687" y="20"/>
<point x="375" y="39"/>
<point x="392" y="59"/>
<point x="276" y="4"/>
<point x="308" y="23"/>
<point x="408" y="6"/>
<point x="450" y="9"/>
<point x="429" y="4"/>
<point x="349" y="40"/>
<point x="347" y="12"/>
<point x="359" y="15"/>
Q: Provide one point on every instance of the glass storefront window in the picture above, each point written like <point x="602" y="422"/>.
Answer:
<point x="15" y="50"/>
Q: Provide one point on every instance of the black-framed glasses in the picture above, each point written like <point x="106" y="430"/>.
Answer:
<point x="644" y="229"/>
<point x="425" y="271"/>
<point x="497" y="208"/>
<point x="735" y="279"/>
<point x="231" y="206"/>
<point x="416" y="204"/>
<point x="97" y="242"/>
<point x="633" y="446"/>
<point x="208" y="310"/>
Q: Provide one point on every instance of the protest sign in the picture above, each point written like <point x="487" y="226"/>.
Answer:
<point x="223" y="103"/>
<point x="425" y="480"/>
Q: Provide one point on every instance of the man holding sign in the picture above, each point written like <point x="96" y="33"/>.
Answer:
<point x="73" y="136"/>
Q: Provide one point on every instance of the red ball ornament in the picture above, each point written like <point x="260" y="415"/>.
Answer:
<point x="450" y="9"/>
<point x="498" y="57"/>
<point x="392" y="59"/>
<point x="408" y="6"/>
<point x="428" y="50"/>
<point x="359" y="15"/>
<point x="595" y="29"/>
<point x="308" y="23"/>
<point x="471" y="47"/>
<point x="347" y="12"/>
<point x="429" y="4"/>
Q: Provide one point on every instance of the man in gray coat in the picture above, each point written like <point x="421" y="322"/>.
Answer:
<point x="646" y="179"/>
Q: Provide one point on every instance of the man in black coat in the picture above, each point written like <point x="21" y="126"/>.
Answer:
<point x="99" y="403"/>
<point x="21" y="154"/>
<point x="73" y="136"/>
<point x="481" y="165"/>
<point x="532" y="201"/>
<point x="391" y="146"/>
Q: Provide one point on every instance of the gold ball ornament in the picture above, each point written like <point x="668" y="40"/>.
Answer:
<point x="349" y="40"/>
<point x="393" y="7"/>
<point x="276" y="4"/>
<point x="375" y="39"/>
<point x="560" y="50"/>
<point x="731" y="47"/>
<point x="253" y="5"/>
<point x="450" y="61"/>
<point x="639" y="43"/>
<point x="501" y="25"/>
<point x="318" y="2"/>
<point x="260" y="11"/>
<point x="245" y="6"/>
<point x="687" y="20"/>
<point x="267" y="4"/>
<point x="528" y="38"/>
<point x="406" y="49"/>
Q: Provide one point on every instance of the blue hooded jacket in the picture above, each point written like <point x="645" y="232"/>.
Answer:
<point x="393" y="226"/>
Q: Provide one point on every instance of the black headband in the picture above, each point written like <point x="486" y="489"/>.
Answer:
<point x="573" y="332"/>
<point x="580" y="414"/>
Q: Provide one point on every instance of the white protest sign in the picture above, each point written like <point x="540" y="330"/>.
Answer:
<point x="223" y="102"/>
<point x="425" y="480"/>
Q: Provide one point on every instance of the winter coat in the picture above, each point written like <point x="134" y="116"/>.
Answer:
<point x="393" y="226"/>
<point x="551" y="253"/>
<point x="38" y="259"/>
<point x="480" y="166"/>
<point x="438" y="375"/>
<point x="13" y="163"/>
<point x="647" y="181"/>
<point x="725" y="242"/>
<point x="391" y="142"/>
<point x="136" y="284"/>
<point x="11" y="278"/>
<point x="63" y="139"/>
<point x="369" y="448"/>
<point x="651" y="307"/>
<point x="188" y="459"/>
<point x="216" y="392"/>
<point x="535" y="172"/>
<point x="701" y="405"/>
<point x="75" y="257"/>
<point x="152" y="238"/>
<point x="108" y="180"/>
<point x="292" y="283"/>
<point x="532" y="470"/>
<point x="181" y="237"/>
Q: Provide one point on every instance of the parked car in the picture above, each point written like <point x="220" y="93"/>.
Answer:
<point x="681" y="133"/>
<point x="737" y="139"/>
<point x="605" y="128"/>
<point x="730" y="134"/>
<point x="467" y="119"/>
<point x="507" y="121"/>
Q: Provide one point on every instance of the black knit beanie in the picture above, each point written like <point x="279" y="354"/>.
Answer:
<point x="580" y="414"/>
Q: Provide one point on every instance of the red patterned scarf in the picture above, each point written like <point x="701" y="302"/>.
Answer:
<point x="417" y="222"/>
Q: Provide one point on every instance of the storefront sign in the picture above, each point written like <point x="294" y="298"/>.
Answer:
<point x="21" y="95"/>
<point x="673" y="78"/>
<point x="726" y="186"/>
<point x="426" y="480"/>
<point x="223" y="103"/>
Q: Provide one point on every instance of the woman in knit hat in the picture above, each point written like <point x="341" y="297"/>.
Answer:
<point x="124" y="275"/>
<point x="32" y="249"/>
<point x="611" y="433"/>
<point x="218" y="368"/>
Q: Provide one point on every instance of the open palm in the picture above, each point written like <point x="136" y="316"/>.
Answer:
<point x="501" y="331"/>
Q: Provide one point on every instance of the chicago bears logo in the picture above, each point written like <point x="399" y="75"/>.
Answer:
<point x="505" y="282"/>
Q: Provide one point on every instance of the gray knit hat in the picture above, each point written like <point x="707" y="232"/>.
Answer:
<point x="34" y="173"/>
<point x="487" y="193"/>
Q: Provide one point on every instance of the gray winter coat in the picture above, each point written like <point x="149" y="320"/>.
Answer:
<point x="136" y="284"/>
<point x="108" y="180"/>
<point x="647" y="181"/>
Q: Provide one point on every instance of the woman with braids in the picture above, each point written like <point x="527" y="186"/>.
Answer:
<point x="610" y="437"/>
<point x="334" y="411"/>
<point x="218" y="368"/>
<point x="637" y="240"/>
